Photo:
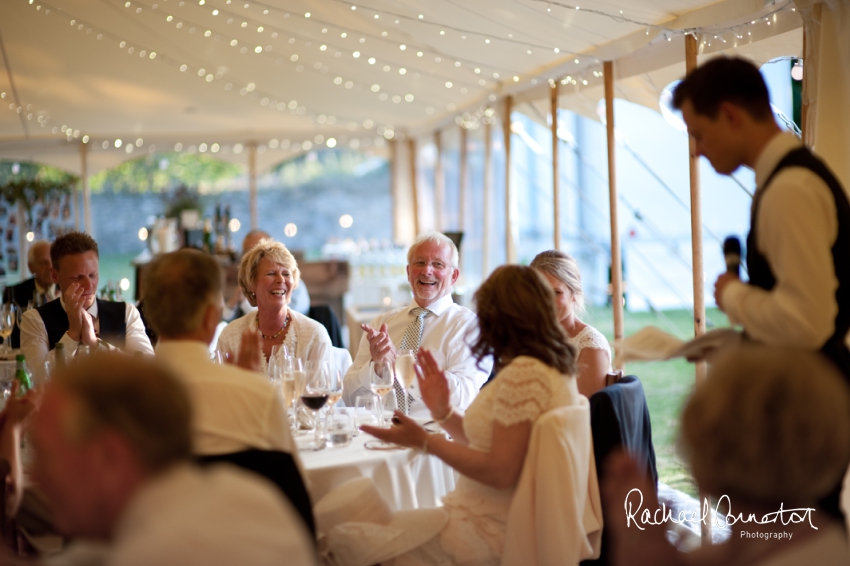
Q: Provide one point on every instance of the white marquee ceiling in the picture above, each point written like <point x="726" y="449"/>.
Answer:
<point x="194" y="72"/>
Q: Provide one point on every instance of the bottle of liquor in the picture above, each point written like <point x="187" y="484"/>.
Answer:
<point x="208" y="237"/>
<point x="22" y="376"/>
<point x="219" y="230"/>
<point x="228" y="236"/>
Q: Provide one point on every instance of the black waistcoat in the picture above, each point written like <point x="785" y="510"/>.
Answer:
<point x="113" y="324"/>
<point x="762" y="275"/>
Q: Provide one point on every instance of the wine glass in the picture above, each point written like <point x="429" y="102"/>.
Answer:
<point x="404" y="372"/>
<point x="292" y="382"/>
<point x="8" y="318"/>
<point x="381" y="377"/>
<point x="316" y="394"/>
<point x="334" y="390"/>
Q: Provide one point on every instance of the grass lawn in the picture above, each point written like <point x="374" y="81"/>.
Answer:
<point x="667" y="384"/>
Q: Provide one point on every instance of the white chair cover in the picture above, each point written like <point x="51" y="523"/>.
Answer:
<point x="556" y="514"/>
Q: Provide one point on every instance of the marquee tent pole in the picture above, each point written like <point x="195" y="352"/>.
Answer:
<point x="252" y="185"/>
<point x="411" y="150"/>
<point x="84" y="182"/>
<point x="394" y="189"/>
<point x="488" y="182"/>
<point x="439" y="185"/>
<point x="510" y="249"/>
<point x="691" y="51"/>
<point x="462" y="186"/>
<point x="556" y="186"/>
<point x="616" y="257"/>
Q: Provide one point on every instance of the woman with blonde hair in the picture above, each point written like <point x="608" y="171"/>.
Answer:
<point x="592" y="353"/>
<point x="268" y="275"/>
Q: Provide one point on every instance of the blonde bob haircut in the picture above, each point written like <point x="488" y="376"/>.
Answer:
<point x="768" y="425"/>
<point x="564" y="268"/>
<point x="275" y="251"/>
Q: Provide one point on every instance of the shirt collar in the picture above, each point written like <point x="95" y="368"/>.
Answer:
<point x="92" y="310"/>
<point x="192" y="351"/>
<point x="778" y="147"/>
<point x="438" y="307"/>
<point x="40" y="289"/>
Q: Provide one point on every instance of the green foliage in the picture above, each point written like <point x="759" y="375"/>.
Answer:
<point x="162" y="172"/>
<point x="28" y="183"/>
<point x="334" y="163"/>
<point x="180" y="199"/>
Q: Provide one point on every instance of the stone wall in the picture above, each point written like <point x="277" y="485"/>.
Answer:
<point x="314" y="207"/>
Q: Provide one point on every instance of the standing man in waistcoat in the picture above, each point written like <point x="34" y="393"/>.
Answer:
<point x="798" y="248"/>
<point x="78" y="317"/>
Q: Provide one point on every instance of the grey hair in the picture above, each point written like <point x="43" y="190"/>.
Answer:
<point x="34" y="246"/>
<point x="563" y="267"/>
<point x="436" y="238"/>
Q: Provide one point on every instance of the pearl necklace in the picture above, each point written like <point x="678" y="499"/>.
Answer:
<point x="279" y="332"/>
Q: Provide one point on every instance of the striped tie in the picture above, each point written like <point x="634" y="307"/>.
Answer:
<point x="410" y="341"/>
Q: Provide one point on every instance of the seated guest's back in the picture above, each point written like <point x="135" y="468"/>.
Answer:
<point x="769" y="429"/>
<point x="592" y="353"/>
<point x="234" y="408"/>
<point x="112" y="442"/>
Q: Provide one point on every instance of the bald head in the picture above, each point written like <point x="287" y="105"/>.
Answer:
<point x="38" y="261"/>
<point x="251" y="240"/>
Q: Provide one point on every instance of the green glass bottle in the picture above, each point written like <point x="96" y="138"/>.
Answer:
<point x="22" y="376"/>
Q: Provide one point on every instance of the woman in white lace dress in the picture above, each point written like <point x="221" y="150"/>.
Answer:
<point x="592" y="352"/>
<point x="267" y="276"/>
<point x="518" y="327"/>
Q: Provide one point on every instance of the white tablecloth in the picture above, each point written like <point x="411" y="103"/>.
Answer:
<point x="406" y="478"/>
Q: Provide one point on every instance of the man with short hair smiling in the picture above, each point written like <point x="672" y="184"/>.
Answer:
<point x="78" y="317"/>
<point x="431" y="320"/>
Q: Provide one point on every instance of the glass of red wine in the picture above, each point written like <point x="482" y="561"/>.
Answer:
<point x="315" y="395"/>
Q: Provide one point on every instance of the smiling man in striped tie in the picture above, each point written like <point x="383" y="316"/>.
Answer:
<point x="432" y="321"/>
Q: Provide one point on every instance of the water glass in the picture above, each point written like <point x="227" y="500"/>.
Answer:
<point x="340" y="429"/>
<point x="366" y="410"/>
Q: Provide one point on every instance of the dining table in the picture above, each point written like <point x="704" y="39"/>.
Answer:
<point x="406" y="478"/>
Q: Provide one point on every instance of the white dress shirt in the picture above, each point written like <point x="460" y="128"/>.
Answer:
<point x="34" y="344"/>
<point x="797" y="227"/>
<point x="232" y="409"/>
<point x="445" y="335"/>
<point x="219" y="516"/>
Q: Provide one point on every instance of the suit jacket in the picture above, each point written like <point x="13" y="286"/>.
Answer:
<point x="20" y="294"/>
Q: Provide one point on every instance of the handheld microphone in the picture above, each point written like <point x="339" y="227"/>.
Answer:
<point x="732" y="254"/>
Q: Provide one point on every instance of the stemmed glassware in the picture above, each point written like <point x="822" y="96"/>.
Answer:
<point x="334" y="390"/>
<point x="381" y="377"/>
<point x="404" y="372"/>
<point x="8" y="319"/>
<point x="315" y="395"/>
<point x="292" y="381"/>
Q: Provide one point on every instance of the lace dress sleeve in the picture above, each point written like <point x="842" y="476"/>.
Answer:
<point x="591" y="338"/>
<point x="525" y="391"/>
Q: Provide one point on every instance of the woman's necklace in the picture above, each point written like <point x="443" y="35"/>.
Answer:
<point x="279" y="332"/>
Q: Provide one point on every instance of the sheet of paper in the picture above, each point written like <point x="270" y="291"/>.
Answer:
<point x="652" y="343"/>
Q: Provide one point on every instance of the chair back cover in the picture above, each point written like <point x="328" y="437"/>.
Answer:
<point x="556" y="515"/>
<point x="619" y="418"/>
